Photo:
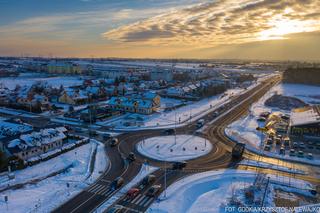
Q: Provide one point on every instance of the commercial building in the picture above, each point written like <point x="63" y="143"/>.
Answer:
<point x="305" y="121"/>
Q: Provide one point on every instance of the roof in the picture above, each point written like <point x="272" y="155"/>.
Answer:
<point x="306" y="115"/>
<point x="45" y="136"/>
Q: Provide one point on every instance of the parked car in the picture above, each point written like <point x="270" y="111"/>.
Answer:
<point x="302" y="145"/>
<point x="310" y="156"/>
<point x="117" y="183"/>
<point x="133" y="192"/>
<point x="269" y="141"/>
<point x="179" y="165"/>
<point x="131" y="156"/>
<point x="267" y="147"/>
<point x="300" y="154"/>
<point x="153" y="190"/>
<point x="114" y="142"/>
<point x="278" y="141"/>
<point x="286" y="141"/>
<point x="295" y="145"/>
<point x="292" y="152"/>
<point x="282" y="151"/>
<point x="310" y="145"/>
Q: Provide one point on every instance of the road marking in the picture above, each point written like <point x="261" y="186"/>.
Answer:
<point x="102" y="189"/>
<point x="93" y="187"/>
<point x="144" y="200"/>
<point x="97" y="189"/>
<point x="137" y="201"/>
<point x="136" y="198"/>
<point x="148" y="202"/>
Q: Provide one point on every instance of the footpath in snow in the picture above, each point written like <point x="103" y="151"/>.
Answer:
<point x="174" y="148"/>
<point x="49" y="193"/>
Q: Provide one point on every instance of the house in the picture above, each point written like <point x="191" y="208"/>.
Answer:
<point x="96" y="92"/>
<point x="134" y="105"/>
<point x="74" y="97"/>
<point x="36" y="143"/>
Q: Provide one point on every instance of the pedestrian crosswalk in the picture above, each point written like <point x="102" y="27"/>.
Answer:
<point x="100" y="189"/>
<point x="140" y="200"/>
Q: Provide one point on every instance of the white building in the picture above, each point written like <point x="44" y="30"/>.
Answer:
<point x="161" y="74"/>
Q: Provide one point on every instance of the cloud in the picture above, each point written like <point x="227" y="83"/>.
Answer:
<point x="223" y="22"/>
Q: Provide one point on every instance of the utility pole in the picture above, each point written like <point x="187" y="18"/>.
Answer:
<point x="265" y="192"/>
<point x="165" y="179"/>
<point x="175" y="128"/>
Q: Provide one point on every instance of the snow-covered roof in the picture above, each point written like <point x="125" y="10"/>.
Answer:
<point x="306" y="115"/>
<point x="11" y="129"/>
<point x="45" y="136"/>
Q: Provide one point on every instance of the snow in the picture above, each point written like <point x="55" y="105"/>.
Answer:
<point x="51" y="192"/>
<point x="9" y="129"/>
<point x="11" y="82"/>
<point x="211" y="191"/>
<point x="159" y="148"/>
<point x="144" y="171"/>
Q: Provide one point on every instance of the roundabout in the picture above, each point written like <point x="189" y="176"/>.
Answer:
<point x="174" y="147"/>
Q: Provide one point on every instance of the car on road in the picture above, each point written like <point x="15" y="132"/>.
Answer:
<point x="117" y="183"/>
<point x="148" y="179"/>
<point x="133" y="192"/>
<point x="114" y="142"/>
<point x="153" y="190"/>
<point x="179" y="165"/>
<point x="131" y="156"/>
<point x="169" y="131"/>
<point x="106" y="136"/>
<point x="200" y="123"/>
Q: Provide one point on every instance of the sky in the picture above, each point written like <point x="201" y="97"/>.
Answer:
<point x="225" y="29"/>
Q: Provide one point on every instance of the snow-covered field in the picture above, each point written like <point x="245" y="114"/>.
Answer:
<point x="244" y="130"/>
<point x="169" y="148"/>
<point x="211" y="191"/>
<point x="49" y="193"/>
<point x="11" y="82"/>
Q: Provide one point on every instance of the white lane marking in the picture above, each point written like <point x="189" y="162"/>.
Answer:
<point x="148" y="202"/>
<point x="137" y="201"/>
<point x="136" y="198"/>
<point x="142" y="202"/>
<point x="98" y="189"/>
<point x="93" y="187"/>
<point x="104" y="190"/>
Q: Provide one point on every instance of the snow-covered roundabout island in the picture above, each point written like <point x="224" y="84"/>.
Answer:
<point x="229" y="191"/>
<point x="174" y="148"/>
